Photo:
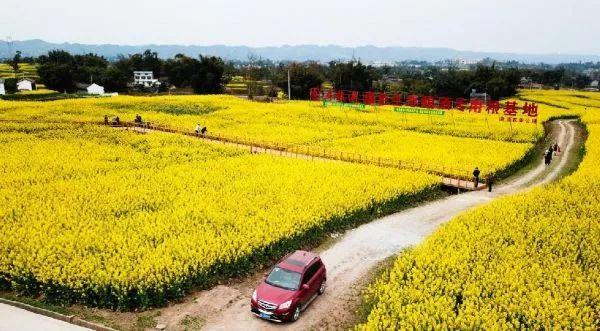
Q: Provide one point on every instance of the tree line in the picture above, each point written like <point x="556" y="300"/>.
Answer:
<point x="62" y="71"/>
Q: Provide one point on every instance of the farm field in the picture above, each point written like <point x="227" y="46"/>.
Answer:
<point x="528" y="261"/>
<point x="95" y="230"/>
<point x="378" y="133"/>
<point x="309" y="121"/>
<point x="26" y="70"/>
<point x="139" y="219"/>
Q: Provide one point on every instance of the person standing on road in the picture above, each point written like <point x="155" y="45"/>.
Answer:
<point x="198" y="129"/>
<point x="476" y="174"/>
<point x="490" y="180"/>
<point x="548" y="156"/>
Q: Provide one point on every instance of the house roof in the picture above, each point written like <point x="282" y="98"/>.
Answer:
<point x="95" y="85"/>
<point x="27" y="79"/>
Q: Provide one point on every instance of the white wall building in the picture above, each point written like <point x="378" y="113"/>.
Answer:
<point x="25" y="85"/>
<point x="95" y="89"/>
<point x="2" y="90"/>
<point x="145" y="78"/>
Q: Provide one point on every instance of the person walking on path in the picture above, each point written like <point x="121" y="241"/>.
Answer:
<point x="105" y="119"/>
<point x="556" y="149"/>
<point x="489" y="180"/>
<point x="198" y="129"/>
<point x="476" y="174"/>
<point x="548" y="156"/>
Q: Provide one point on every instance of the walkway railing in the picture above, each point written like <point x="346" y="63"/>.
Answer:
<point x="309" y="151"/>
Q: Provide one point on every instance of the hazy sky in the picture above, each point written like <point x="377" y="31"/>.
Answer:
<point x="524" y="26"/>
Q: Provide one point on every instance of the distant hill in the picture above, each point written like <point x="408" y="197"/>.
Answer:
<point x="37" y="47"/>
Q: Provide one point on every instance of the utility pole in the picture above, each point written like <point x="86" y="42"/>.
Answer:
<point x="9" y="45"/>
<point x="289" y="86"/>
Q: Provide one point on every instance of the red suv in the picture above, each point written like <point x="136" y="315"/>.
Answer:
<point x="290" y="287"/>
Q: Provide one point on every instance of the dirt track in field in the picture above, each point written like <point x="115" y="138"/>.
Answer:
<point x="352" y="257"/>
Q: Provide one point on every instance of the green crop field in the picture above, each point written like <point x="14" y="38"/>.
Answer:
<point x="26" y="70"/>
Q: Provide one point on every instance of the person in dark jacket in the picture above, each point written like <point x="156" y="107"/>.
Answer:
<point x="548" y="156"/>
<point x="490" y="182"/>
<point x="476" y="174"/>
<point x="105" y="119"/>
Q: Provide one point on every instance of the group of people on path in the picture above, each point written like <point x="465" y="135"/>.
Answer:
<point x="552" y="151"/>
<point x="200" y="130"/>
<point x="115" y="120"/>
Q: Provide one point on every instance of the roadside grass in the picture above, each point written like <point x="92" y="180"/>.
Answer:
<point x="146" y="320"/>
<point x="190" y="323"/>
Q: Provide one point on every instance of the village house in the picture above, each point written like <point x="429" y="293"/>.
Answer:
<point x="95" y="89"/>
<point x="145" y="78"/>
<point x="26" y="85"/>
<point x="2" y="90"/>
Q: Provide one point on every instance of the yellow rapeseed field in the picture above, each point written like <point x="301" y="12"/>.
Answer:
<point x="294" y="122"/>
<point x="529" y="261"/>
<point x="118" y="219"/>
<point x="491" y="145"/>
<point x="452" y="155"/>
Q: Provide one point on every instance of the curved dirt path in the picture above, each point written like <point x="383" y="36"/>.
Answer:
<point x="350" y="259"/>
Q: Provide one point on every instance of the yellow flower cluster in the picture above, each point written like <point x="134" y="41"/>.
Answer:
<point x="119" y="219"/>
<point x="456" y="142"/>
<point x="529" y="261"/>
<point x="452" y="155"/>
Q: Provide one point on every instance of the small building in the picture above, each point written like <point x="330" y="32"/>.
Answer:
<point x="145" y="78"/>
<point x="594" y="84"/>
<point x="2" y="90"/>
<point x="95" y="89"/>
<point x="25" y="85"/>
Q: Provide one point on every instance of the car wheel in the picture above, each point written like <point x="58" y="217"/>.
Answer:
<point x="322" y="288"/>
<point x="296" y="314"/>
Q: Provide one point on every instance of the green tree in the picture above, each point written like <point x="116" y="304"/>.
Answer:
<point x="303" y="77"/>
<point x="14" y="63"/>
<point x="180" y="70"/>
<point x="352" y="75"/>
<point x="208" y="78"/>
<point x="57" y="71"/>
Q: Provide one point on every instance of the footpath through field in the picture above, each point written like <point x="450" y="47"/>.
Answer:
<point x="449" y="174"/>
<point x="356" y="253"/>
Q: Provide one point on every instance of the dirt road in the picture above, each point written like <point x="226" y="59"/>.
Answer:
<point x="358" y="251"/>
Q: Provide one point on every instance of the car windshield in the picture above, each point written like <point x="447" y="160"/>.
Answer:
<point x="284" y="278"/>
